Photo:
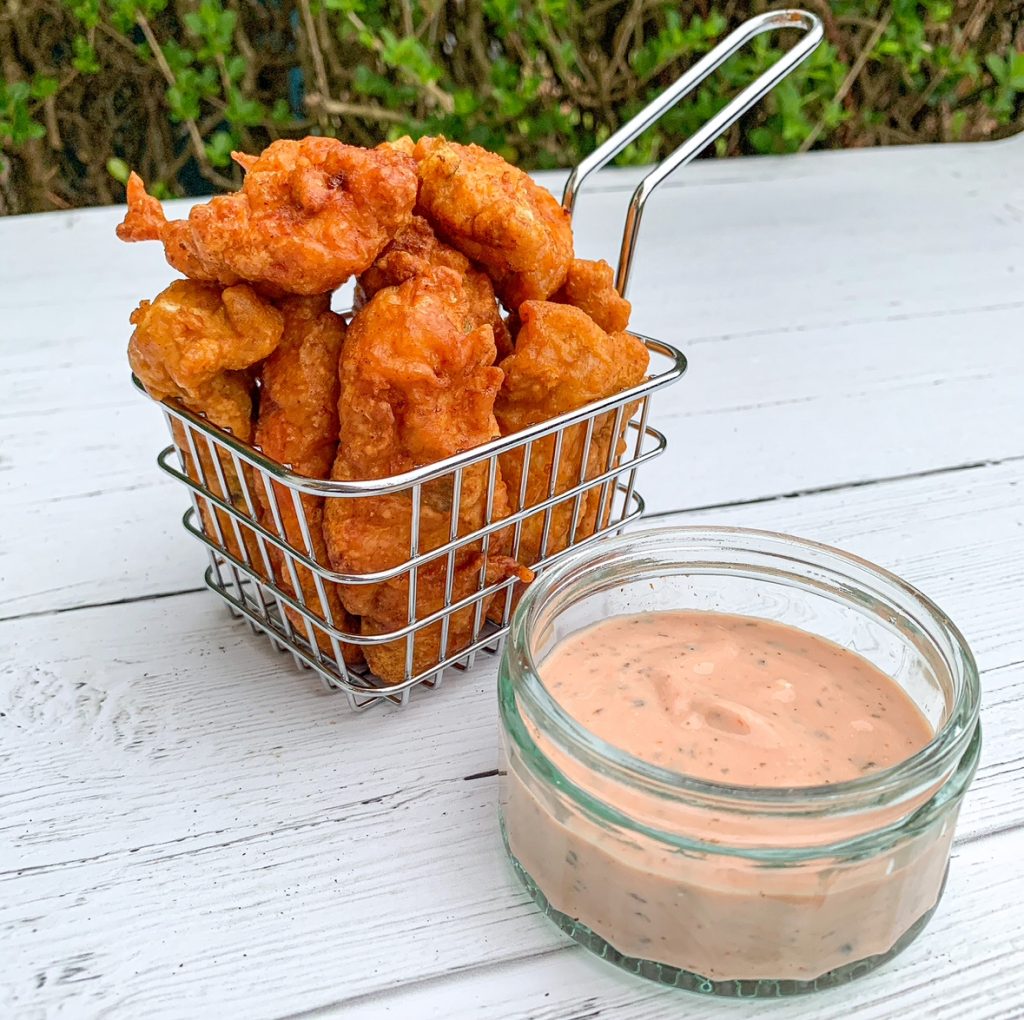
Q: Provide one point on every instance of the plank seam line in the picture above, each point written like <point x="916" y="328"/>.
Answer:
<point x="394" y="798"/>
<point x="795" y="494"/>
<point x="102" y="605"/>
<point x="839" y="487"/>
<point x="332" y="816"/>
<point x="381" y="995"/>
<point x="433" y="979"/>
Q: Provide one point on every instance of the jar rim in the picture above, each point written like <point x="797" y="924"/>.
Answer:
<point x="903" y="780"/>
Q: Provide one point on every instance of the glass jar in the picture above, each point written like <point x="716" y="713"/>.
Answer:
<point x="731" y="890"/>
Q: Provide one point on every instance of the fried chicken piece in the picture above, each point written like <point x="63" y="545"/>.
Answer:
<point x="145" y="221"/>
<point x="590" y="286"/>
<point x="309" y="215"/>
<point x="196" y="342"/>
<point x="562" y="361"/>
<point x="416" y="387"/>
<point x="192" y="340"/>
<point x="220" y="527"/>
<point x="404" y="145"/>
<point x="498" y="216"/>
<point x="298" y="427"/>
<point x="431" y="646"/>
<point x="415" y="252"/>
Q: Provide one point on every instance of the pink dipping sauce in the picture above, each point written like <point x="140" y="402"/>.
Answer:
<point x="739" y="701"/>
<point x="734" y="699"/>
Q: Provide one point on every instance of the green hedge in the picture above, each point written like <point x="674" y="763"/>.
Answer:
<point x="90" y="88"/>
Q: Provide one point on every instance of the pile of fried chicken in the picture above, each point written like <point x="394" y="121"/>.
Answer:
<point x="473" y="320"/>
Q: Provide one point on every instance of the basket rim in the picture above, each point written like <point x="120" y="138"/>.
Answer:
<point x="428" y="472"/>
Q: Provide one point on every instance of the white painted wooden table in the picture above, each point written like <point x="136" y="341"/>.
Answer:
<point x="189" y="827"/>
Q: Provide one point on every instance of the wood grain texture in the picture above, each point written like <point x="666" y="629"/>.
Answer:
<point x="191" y="827"/>
<point x="961" y="968"/>
<point x="179" y="801"/>
<point x="889" y="354"/>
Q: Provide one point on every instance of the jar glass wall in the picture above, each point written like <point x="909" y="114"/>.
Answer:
<point x="727" y="889"/>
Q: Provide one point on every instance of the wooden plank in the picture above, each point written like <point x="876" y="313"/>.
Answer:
<point x="221" y="718"/>
<point x="755" y="416"/>
<point x="187" y="824"/>
<point x="763" y="245"/>
<point x="963" y="965"/>
<point x="250" y="908"/>
<point x="781" y="396"/>
<point x="179" y="920"/>
<point x="747" y="246"/>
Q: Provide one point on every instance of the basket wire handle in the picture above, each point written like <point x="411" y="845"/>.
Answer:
<point x="806" y="22"/>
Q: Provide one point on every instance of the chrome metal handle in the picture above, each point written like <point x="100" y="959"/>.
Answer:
<point x="806" y="22"/>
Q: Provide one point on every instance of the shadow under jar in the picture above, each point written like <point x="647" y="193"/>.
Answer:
<point x="734" y="890"/>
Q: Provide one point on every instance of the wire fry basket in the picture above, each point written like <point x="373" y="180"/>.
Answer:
<point x="260" y="521"/>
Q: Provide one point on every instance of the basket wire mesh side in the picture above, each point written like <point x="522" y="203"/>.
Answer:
<point x="260" y="521"/>
<point x="268" y="580"/>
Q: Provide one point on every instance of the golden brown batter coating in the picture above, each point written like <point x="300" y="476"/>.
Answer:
<point x="563" y="360"/>
<point x="309" y="215"/>
<point x="590" y="286"/>
<point x="198" y="343"/>
<point x="192" y="341"/>
<point x="495" y="214"/>
<point x="416" y="387"/>
<point x="298" y="427"/>
<point x="415" y="252"/>
<point x="418" y="381"/>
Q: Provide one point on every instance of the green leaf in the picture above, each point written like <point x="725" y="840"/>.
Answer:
<point x="43" y="87"/>
<point x="85" y="60"/>
<point x="219" y="147"/>
<point x="178" y="57"/>
<point x="122" y="14"/>
<point x="465" y="102"/>
<point x="16" y="92"/>
<point x="118" y="169"/>
<point x="241" y="110"/>
<point x="762" y="139"/>
<point x="1015" y="78"/>
<point x="996" y="65"/>
<point x="184" y="105"/>
<point x="503" y="12"/>
<point x="17" y="125"/>
<point x="410" y="55"/>
<point x="367" y="82"/>
<point x="86" y="11"/>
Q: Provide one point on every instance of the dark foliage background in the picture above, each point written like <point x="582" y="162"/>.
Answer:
<point x="89" y="88"/>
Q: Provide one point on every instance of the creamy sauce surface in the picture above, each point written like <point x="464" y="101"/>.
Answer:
<point x="734" y="699"/>
<point x="742" y="701"/>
